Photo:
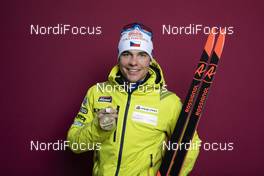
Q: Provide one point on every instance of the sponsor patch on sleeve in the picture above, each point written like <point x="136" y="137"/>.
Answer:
<point x="81" y="117"/>
<point x="145" y="118"/>
<point x="83" y="110"/>
<point x="105" y="99"/>
<point x="77" y="123"/>
<point x="85" y="101"/>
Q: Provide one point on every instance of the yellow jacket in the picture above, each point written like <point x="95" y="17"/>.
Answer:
<point x="146" y="118"/>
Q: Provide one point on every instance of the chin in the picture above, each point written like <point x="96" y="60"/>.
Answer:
<point x="133" y="79"/>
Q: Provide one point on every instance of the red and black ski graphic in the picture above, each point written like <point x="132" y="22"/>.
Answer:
<point x="193" y="105"/>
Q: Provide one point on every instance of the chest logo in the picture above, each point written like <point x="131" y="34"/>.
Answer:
<point x="146" y="109"/>
<point x="105" y="99"/>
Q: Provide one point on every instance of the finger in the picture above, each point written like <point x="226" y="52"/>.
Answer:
<point x="100" y="115"/>
<point x="110" y="110"/>
<point x="112" y="116"/>
<point x="101" y="111"/>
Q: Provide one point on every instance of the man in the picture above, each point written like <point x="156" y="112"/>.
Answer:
<point x="133" y="117"/>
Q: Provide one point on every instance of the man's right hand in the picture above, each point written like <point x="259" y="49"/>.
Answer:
<point x="107" y="118"/>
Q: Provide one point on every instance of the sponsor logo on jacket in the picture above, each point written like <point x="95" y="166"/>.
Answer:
<point x="146" y="109"/>
<point x="81" y="117"/>
<point x="83" y="110"/>
<point x="85" y="101"/>
<point x="77" y="123"/>
<point x="105" y="99"/>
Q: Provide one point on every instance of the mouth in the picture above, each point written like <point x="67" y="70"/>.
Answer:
<point x="132" y="70"/>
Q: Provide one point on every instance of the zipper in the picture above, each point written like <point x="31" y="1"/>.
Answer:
<point x="123" y="135"/>
<point x="114" y="139"/>
<point x="116" y="123"/>
<point x="151" y="160"/>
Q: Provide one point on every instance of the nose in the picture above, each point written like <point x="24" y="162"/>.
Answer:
<point x="133" y="60"/>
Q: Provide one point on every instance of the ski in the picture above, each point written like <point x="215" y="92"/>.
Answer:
<point x="193" y="105"/>
<point x="176" y="167"/>
<point x="187" y="105"/>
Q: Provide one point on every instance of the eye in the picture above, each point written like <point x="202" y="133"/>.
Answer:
<point x="143" y="54"/>
<point x="125" y="54"/>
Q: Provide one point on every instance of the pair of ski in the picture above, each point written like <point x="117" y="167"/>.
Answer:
<point x="193" y="105"/>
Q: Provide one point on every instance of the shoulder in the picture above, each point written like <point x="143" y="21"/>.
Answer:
<point x="169" y="96"/>
<point x="170" y="99"/>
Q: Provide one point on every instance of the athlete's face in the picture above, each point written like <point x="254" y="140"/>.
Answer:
<point x="134" y="65"/>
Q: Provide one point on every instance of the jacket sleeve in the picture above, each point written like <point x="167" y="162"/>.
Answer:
<point x="85" y="130"/>
<point x="193" y="152"/>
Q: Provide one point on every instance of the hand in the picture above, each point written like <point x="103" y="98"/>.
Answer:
<point x="107" y="118"/>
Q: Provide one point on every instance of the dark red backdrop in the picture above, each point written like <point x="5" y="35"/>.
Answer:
<point x="44" y="78"/>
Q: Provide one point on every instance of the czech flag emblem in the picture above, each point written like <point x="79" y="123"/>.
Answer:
<point x="135" y="44"/>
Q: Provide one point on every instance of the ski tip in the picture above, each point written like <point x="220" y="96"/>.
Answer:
<point x="220" y="43"/>
<point x="210" y="42"/>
